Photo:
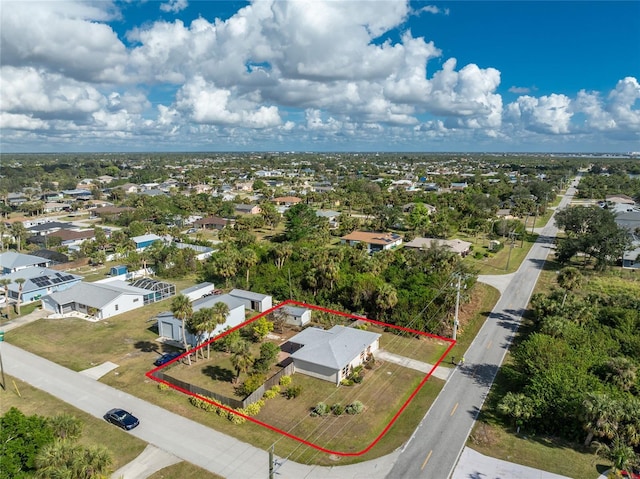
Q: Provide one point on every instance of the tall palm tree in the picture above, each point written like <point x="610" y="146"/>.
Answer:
<point x="569" y="278"/>
<point x="242" y="361"/>
<point x="197" y="325"/>
<point x="20" y="282"/>
<point x="182" y="309"/>
<point x="248" y="259"/>
<point x="66" y="459"/>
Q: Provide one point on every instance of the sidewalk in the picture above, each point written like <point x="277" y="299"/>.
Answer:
<point x="439" y="372"/>
<point x="26" y="319"/>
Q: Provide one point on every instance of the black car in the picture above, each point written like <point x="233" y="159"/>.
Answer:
<point x="165" y="358"/>
<point x="122" y="418"/>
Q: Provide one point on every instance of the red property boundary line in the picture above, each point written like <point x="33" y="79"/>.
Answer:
<point x="150" y="374"/>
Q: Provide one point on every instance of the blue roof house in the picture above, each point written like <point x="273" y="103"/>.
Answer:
<point x="39" y="282"/>
<point x="144" y="241"/>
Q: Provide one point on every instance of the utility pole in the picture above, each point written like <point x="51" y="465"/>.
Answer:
<point x="455" y="317"/>
<point x="271" y="468"/>
<point x="4" y="383"/>
<point x="512" y="240"/>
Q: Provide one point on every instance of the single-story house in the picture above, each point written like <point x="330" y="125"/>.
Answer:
<point x="49" y="227"/>
<point x="374" y="241"/>
<point x="108" y="211"/>
<point x="198" y="291"/>
<point x="100" y="300"/>
<point x="296" y="315"/>
<point x="330" y="215"/>
<point x="332" y="354"/>
<point x="213" y="222"/>
<point x="170" y="327"/>
<point x="247" y="209"/>
<point x="39" y="282"/>
<point x="202" y="252"/>
<point x="144" y="241"/>
<point x="286" y="200"/>
<point x="253" y="301"/>
<point x="463" y="248"/>
<point x="11" y="261"/>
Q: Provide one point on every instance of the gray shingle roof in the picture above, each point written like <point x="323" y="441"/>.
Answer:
<point x="38" y="278"/>
<point x="12" y="260"/>
<point x="334" y="348"/>
<point x="96" y="295"/>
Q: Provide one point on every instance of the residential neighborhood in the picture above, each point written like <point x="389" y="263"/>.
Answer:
<point x="263" y="286"/>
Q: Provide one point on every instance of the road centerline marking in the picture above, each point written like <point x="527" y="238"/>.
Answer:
<point x="454" y="409"/>
<point x="427" y="459"/>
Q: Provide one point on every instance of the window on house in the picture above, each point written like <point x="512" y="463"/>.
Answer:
<point x="117" y="307"/>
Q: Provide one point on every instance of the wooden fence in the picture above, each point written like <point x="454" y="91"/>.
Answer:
<point x="227" y="401"/>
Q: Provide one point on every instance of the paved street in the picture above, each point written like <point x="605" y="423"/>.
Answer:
<point x="432" y="452"/>
<point x="439" y="440"/>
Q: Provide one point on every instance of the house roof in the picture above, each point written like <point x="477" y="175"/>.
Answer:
<point x="67" y="235"/>
<point x="373" y="238"/>
<point x="50" y="225"/>
<point x="287" y="199"/>
<point x="145" y="238"/>
<point x="38" y="278"/>
<point x="333" y="348"/>
<point x="455" y="245"/>
<point x="96" y="295"/>
<point x="209" y="301"/>
<point x="211" y="220"/>
<point x="241" y="293"/>
<point x="197" y="287"/>
<point x="12" y="260"/>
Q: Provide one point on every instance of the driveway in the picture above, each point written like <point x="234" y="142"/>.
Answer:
<point x="439" y="372"/>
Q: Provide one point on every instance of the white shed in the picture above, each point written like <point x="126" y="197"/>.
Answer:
<point x="253" y="301"/>
<point x="199" y="291"/>
<point x="296" y="315"/>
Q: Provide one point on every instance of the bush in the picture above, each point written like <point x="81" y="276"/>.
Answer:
<point x="202" y="404"/>
<point x="321" y="409"/>
<point x="347" y="382"/>
<point x="252" y="383"/>
<point x="285" y="381"/>
<point x="293" y="392"/>
<point x="270" y="394"/>
<point x="252" y="409"/>
<point x="235" y="418"/>
<point x="163" y="387"/>
<point x="356" y="407"/>
<point x="275" y="389"/>
<point x="337" y="409"/>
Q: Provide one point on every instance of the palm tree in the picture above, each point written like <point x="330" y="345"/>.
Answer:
<point x="248" y="259"/>
<point x="20" y="282"/>
<point x="618" y="452"/>
<point x="182" y="309"/>
<point x="19" y="232"/>
<point x="386" y="297"/>
<point x="518" y="406"/>
<point x="197" y="325"/>
<point x="601" y="415"/>
<point x="569" y="278"/>
<point x="66" y="426"/>
<point x="622" y="372"/>
<point x="242" y="360"/>
<point x="66" y="459"/>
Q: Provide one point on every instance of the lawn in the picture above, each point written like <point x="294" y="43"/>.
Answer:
<point x="129" y="340"/>
<point x="123" y="447"/>
<point x="507" y="260"/>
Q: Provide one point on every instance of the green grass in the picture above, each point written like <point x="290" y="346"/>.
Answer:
<point x="505" y="261"/>
<point x="129" y="341"/>
<point x="123" y="447"/>
<point x="184" y="470"/>
<point x="24" y="310"/>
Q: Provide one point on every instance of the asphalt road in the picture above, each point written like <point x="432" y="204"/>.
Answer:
<point x="437" y="443"/>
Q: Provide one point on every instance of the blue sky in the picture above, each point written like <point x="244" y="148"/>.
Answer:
<point x="316" y="75"/>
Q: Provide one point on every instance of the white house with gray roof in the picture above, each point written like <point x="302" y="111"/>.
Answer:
<point x="10" y="261"/>
<point x="170" y="327"/>
<point x="100" y="300"/>
<point x="253" y="301"/>
<point x="332" y="354"/>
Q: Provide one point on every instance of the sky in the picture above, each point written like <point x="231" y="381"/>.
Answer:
<point x="319" y="75"/>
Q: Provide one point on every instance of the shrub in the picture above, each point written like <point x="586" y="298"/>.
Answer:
<point x="252" y="383"/>
<point x="285" y="380"/>
<point x="202" y="404"/>
<point x="347" y="382"/>
<point x="337" y="409"/>
<point x="163" y="387"/>
<point x="356" y="407"/>
<point x="321" y="409"/>
<point x="222" y="412"/>
<point x="270" y="394"/>
<point x="252" y="409"/>
<point x="293" y="392"/>
<point x="275" y="389"/>
<point x="235" y="418"/>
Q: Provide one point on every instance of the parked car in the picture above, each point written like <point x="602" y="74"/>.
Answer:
<point x="632" y="474"/>
<point x="191" y="230"/>
<point x="165" y="358"/>
<point x="122" y="418"/>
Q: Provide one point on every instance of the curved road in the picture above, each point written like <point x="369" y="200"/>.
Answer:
<point x="437" y="443"/>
